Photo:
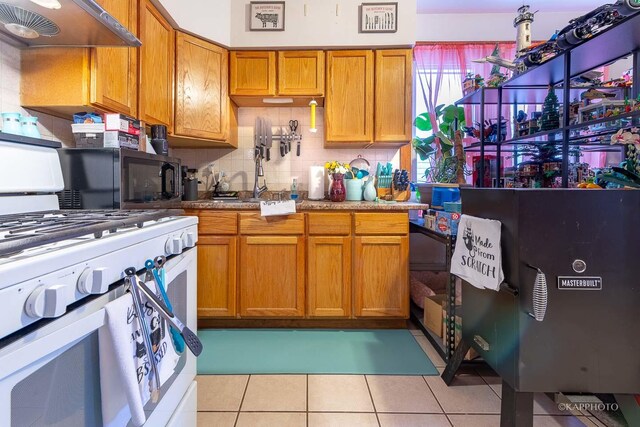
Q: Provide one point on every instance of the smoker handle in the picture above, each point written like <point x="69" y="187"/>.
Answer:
<point x="163" y="178"/>
<point x="540" y="294"/>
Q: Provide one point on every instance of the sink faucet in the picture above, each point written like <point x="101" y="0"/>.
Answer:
<point x="257" y="190"/>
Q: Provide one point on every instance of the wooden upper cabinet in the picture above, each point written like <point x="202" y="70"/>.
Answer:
<point x="114" y="70"/>
<point x="252" y="73"/>
<point x="393" y="95"/>
<point x="301" y="72"/>
<point x="102" y="79"/>
<point x="201" y="108"/>
<point x="349" y="96"/>
<point x="156" y="66"/>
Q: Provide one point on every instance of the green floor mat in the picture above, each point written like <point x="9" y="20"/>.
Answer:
<point x="312" y="351"/>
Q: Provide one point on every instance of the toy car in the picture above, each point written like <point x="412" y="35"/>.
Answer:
<point x="597" y="20"/>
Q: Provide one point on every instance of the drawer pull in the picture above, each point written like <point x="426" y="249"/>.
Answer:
<point x="481" y="342"/>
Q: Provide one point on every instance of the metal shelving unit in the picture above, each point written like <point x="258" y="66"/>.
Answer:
<point x="445" y="351"/>
<point x="530" y="88"/>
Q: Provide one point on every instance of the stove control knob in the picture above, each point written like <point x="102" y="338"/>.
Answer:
<point x="173" y="246"/>
<point x="47" y="301"/>
<point x="189" y="239"/>
<point x="93" y="281"/>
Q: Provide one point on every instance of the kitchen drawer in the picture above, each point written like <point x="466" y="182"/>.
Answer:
<point x="217" y="222"/>
<point x="253" y="223"/>
<point x="382" y="223"/>
<point x="329" y="224"/>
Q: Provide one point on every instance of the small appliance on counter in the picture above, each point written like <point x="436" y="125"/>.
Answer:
<point x="190" y="184"/>
<point x="159" y="139"/>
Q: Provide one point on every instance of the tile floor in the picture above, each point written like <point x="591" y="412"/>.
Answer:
<point x="365" y="400"/>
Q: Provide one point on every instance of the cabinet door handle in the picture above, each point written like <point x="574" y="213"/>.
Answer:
<point x="484" y="345"/>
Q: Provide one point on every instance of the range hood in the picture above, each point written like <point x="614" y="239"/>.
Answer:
<point x="42" y="23"/>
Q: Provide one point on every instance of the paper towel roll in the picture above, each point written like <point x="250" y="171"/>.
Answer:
<point x="316" y="183"/>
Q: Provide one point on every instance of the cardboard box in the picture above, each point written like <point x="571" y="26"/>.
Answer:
<point x="122" y="123"/>
<point x="116" y="139"/>
<point x="433" y="313"/>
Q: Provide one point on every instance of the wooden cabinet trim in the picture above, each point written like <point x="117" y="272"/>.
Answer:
<point x="329" y="224"/>
<point x="262" y="283"/>
<point x="216" y="222"/>
<point x="254" y="223"/>
<point x="146" y="84"/>
<point x="201" y="107"/>
<point x="322" y="277"/>
<point x="237" y="83"/>
<point x="381" y="223"/>
<point x="223" y="294"/>
<point x="393" y="95"/>
<point x="339" y="126"/>
<point x="372" y="279"/>
<point x="316" y="89"/>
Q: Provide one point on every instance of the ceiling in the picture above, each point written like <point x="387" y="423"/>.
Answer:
<point x="475" y="6"/>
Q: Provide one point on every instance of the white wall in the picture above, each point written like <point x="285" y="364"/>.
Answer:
<point x="321" y="27"/>
<point x="209" y="19"/>
<point x="486" y="26"/>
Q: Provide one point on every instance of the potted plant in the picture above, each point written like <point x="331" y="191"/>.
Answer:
<point x="443" y="148"/>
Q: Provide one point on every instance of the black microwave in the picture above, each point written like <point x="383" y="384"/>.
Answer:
<point x="111" y="178"/>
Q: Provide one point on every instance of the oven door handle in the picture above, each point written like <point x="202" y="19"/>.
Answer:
<point x="540" y="294"/>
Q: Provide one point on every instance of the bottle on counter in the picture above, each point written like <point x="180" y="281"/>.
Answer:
<point x="294" y="189"/>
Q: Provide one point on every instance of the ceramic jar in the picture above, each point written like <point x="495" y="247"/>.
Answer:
<point x="11" y="123"/>
<point x="370" y="192"/>
<point x="30" y="126"/>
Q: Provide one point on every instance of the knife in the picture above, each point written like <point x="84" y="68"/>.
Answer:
<point x="282" y="143"/>
<point x="268" y="141"/>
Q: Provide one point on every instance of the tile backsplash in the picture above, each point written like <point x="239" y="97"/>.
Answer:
<point x="239" y="165"/>
<point x="51" y="128"/>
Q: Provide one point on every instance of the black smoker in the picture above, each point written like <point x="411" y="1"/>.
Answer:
<point x="586" y="243"/>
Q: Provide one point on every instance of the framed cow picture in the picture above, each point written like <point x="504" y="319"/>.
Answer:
<point x="266" y="16"/>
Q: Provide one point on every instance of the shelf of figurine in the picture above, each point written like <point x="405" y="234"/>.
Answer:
<point x="472" y="83"/>
<point x="490" y="129"/>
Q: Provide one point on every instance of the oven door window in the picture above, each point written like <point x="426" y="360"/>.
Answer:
<point x="64" y="392"/>
<point x="145" y="180"/>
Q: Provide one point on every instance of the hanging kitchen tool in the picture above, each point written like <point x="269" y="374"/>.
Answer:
<point x="131" y="280"/>
<point x="268" y="139"/>
<point x="282" y="142"/>
<point x="293" y="125"/>
<point x="361" y="164"/>
<point x="159" y="276"/>
<point x="190" y="338"/>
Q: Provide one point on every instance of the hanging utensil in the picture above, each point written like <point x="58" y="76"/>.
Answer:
<point x="159" y="276"/>
<point x="190" y="338"/>
<point x="268" y="138"/>
<point x="282" y="142"/>
<point x="131" y="280"/>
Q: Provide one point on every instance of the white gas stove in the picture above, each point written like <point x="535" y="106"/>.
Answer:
<point x="58" y="269"/>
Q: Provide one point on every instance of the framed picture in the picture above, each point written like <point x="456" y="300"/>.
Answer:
<point x="379" y="17"/>
<point x="266" y="16"/>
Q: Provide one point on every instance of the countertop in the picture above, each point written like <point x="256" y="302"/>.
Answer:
<point x="310" y="205"/>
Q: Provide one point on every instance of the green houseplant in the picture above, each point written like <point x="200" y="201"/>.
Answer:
<point x="443" y="148"/>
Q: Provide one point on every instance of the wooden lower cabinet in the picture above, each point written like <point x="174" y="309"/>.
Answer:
<point x="329" y="276"/>
<point x="381" y="276"/>
<point x="217" y="260"/>
<point x="272" y="276"/>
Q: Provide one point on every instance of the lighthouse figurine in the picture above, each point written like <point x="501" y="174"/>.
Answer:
<point x="522" y="23"/>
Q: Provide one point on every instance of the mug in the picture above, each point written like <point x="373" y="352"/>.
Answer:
<point x="11" y="123"/>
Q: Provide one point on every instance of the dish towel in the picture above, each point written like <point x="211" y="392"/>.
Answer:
<point x="124" y="366"/>
<point x="477" y="259"/>
<point x="276" y="208"/>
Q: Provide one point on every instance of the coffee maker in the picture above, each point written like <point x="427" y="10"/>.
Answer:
<point x="190" y="184"/>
